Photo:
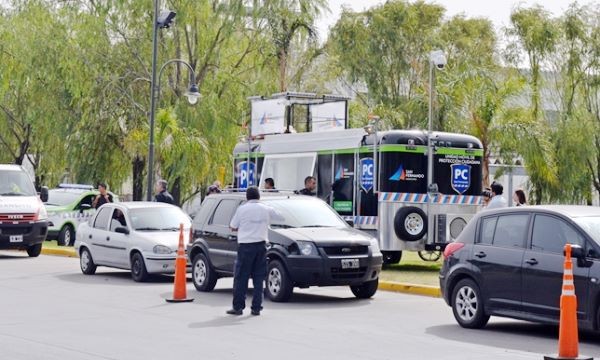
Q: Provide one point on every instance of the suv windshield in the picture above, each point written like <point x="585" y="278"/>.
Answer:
<point x="61" y="197"/>
<point x="591" y="225"/>
<point x="305" y="213"/>
<point x="16" y="183"/>
<point x="157" y="219"/>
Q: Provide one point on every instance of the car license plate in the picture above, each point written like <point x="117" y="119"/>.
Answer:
<point x="350" y="264"/>
<point x="16" y="238"/>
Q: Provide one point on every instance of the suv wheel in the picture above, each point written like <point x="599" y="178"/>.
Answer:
<point x="66" y="236"/>
<point x="203" y="275"/>
<point x="86" y="262"/>
<point x="279" y="284"/>
<point x="467" y="305"/>
<point x="365" y="290"/>
<point x="138" y="268"/>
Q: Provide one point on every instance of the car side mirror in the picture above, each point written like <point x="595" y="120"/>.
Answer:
<point x="577" y="252"/>
<point x="44" y="194"/>
<point x="122" y="230"/>
<point x="84" y="207"/>
<point x="350" y="222"/>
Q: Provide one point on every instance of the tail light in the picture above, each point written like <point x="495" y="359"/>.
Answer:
<point x="451" y="248"/>
<point x="191" y="239"/>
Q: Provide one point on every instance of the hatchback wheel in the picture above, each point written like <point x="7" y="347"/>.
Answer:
<point x="86" y="262"/>
<point x="279" y="284"/>
<point x="138" y="268"/>
<point x="467" y="305"/>
<point x="203" y="275"/>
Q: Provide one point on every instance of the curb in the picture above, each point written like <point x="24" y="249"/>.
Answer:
<point x="60" y="252"/>
<point x="406" y="288"/>
<point x="415" y="289"/>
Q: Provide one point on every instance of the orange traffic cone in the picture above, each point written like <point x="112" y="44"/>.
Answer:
<point x="568" y="338"/>
<point x="179" y="292"/>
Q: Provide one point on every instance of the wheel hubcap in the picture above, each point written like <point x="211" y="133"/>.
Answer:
<point x="466" y="303"/>
<point x="200" y="272"/>
<point x="85" y="260"/>
<point x="274" y="281"/>
<point x="414" y="224"/>
<point x="136" y="266"/>
<point x="67" y="237"/>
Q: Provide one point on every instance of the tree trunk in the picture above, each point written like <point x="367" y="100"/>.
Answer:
<point x="138" y="178"/>
<point x="282" y="67"/>
<point x="176" y="191"/>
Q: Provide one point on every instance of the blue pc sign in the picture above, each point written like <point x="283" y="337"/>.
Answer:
<point x="246" y="174"/>
<point x="461" y="177"/>
<point x="366" y="174"/>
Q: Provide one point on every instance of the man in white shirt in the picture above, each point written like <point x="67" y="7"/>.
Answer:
<point x="251" y="221"/>
<point x="497" y="201"/>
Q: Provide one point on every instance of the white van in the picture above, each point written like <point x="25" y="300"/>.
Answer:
<point x="23" y="217"/>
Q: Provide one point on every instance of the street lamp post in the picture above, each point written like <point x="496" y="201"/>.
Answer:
<point x="192" y="96"/>
<point x="437" y="59"/>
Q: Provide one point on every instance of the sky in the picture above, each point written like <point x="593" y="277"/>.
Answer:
<point x="496" y="10"/>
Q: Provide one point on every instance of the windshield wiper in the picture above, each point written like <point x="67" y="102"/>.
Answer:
<point x="313" y="226"/>
<point x="51" y="204"/>
<point x="148" y="229"/>
<point x="13" y="194"/>
<point x="281" y="226"/>
<point x="172" y="228"/>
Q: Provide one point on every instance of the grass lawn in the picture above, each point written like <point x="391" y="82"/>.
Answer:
<point x="52" y="244"/>
<point x="412" y="269"/>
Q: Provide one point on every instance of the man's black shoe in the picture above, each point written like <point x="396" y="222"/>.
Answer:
<point x="255" y="312"/>
<point x="235" y="312"/>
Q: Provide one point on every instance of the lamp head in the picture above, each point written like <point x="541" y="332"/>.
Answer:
<point x="193" y="95"/>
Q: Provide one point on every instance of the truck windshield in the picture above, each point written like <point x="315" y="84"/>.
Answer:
<point x="15" y="183"/>
<point x="307" y="212"/>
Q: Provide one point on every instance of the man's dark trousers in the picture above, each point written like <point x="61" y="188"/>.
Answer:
<point x="251" y="261"/>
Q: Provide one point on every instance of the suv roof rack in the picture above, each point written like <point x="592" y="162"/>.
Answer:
<point x="76" y="186"/>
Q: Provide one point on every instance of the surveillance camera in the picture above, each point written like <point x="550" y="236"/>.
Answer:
<point x="165" y="19"/>
<point x="438" y="59"/>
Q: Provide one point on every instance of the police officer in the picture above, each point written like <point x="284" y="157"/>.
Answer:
<point x="310" y="184"/>
<point x="162" y="193"/>
<point x="103" y="198"/>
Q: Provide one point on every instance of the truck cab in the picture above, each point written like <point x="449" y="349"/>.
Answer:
<point x="23" y="217"/>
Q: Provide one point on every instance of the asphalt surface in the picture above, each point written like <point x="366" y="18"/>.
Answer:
<point x="49" y="310"/>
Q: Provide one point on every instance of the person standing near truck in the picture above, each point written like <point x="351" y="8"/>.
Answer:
<point x="103" y="198"/>
<point x="251" y="221"/>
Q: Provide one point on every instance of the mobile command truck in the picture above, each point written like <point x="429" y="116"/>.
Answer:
<point x="377" y="180"/>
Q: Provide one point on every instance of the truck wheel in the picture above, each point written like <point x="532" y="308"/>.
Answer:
<point x="391" y="257"/>
<point x="467" y="305"/>
<point x="66" y="236"/>
<point x="410" y="223"/>
<point x="203" y="275"/>
<point x="86" y="263"/>
<point x="430" y="255"/>
<point x="34" y="250"/>
<point x="138" y="268"/>
<point x="365" y="290"/>
<point x="279" y="284"/>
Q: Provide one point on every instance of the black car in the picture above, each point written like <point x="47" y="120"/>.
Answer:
<point x="313" y="246"/>
<point x="509" y="262"/>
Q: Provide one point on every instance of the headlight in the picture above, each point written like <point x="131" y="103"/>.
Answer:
<point x="307" y="248"/>
<point x="375" y="246"/>
<point x="161" y="249"/>
<point x="42" y="214"/>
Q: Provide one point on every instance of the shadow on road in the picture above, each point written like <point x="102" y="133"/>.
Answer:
<point x="115" y="278"/>
<point x="526" y="336"/>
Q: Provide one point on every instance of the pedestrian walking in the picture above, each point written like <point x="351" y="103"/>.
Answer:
<point x="251" y="221"/>
<point x="103" y="198"/>
<point x="162" y="195"/>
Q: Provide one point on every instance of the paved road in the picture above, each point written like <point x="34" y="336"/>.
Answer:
<point x="49" y="310"/>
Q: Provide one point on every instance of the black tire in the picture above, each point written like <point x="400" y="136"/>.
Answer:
<point x="410" y="223"/>
<point x="279" y="285"/>
<point x="66" y="236"/>
<point x="430" y="255"/>
<point x="86" y="262"/>
<point x="138" y="268"/>
<point x="203" y="275"/>
<point x="467" y="305"/>
<point x="34" y="250"/>
<point x="365" y="290"/>
<point x="391" y="257"/>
